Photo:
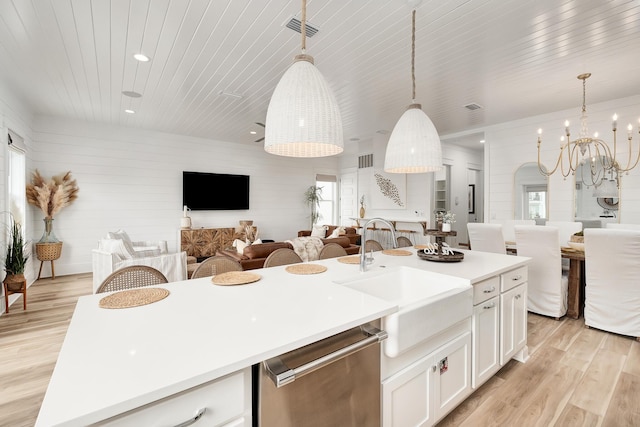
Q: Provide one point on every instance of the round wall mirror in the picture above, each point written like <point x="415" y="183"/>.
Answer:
<point x="530" y="193"/>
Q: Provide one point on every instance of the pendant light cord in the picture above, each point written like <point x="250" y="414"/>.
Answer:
<point x="303" y="25"/>
<point x="413" y="54"/>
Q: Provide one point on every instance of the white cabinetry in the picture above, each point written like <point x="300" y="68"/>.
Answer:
<point x="223" y="402"/>
<point x="499" y="323"/>
<point x="425" y="391"/>
<point x="513" y="315"/>
<point x="486" y="330"/>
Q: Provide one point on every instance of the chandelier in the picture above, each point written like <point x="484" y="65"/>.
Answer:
<point x="591" y="152"/>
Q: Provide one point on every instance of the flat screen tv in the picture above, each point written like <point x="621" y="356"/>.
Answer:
<point x="202" y="191"/>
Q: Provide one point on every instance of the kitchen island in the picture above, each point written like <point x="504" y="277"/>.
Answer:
<point x="114" y="361"/>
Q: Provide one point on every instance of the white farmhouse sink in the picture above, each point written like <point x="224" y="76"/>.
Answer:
<point x="428" y="303"/>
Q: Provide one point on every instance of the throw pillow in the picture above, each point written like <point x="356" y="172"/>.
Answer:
<point x="319" y="231"/>
<point x="257" y="242"/>
<point x="337" y="232"/>
<point x="115" y="246"/>
<point x="239" y="245"/>
<point x="122" y="235"/>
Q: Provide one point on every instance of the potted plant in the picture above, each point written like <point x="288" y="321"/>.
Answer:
<point x="312" y="196"/>
<point x="446" y="219"/>
<point x="51" y="196"/>
<point x="16" y="259"/>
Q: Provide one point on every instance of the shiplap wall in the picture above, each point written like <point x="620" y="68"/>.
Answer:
<point x="509" y="145"/>
<point x="132" y="179"/>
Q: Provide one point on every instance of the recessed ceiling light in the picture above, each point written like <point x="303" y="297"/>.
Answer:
<point x="129" y="111"/>
<point x="482" y="141"/>
<point x="140" y="57"/>
<point x="253" y="132"/>
<point x="131" y="94"/>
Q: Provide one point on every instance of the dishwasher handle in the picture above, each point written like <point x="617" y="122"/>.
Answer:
<point x="282" y="375"/>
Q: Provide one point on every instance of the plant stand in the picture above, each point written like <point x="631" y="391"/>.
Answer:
<point x="48" y="252"/>
<point x="9" y="290"/>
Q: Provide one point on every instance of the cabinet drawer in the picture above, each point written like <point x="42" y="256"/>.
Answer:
<point x="486" y="289"/>
<point x="513" y="278"/>
<point x="222" y="400"/>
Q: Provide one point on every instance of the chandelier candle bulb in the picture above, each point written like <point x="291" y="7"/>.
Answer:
<point x="615" y="122"/>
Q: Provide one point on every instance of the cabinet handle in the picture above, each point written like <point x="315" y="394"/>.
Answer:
<point x="518" y="296"/>
<point x="490" y="306"/>
<point x="518" y="277"/>
<point x="433" y="368"/>
<point x="488" y="291"/>
<point x="193" y="420"/>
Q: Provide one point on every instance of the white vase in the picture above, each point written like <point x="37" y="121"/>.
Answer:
<point x="446" y="227"/>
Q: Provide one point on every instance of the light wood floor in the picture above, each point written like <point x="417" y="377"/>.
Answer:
<point x="574" y="377"/>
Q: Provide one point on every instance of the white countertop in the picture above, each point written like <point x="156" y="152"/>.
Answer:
<point x="112" y="361"/>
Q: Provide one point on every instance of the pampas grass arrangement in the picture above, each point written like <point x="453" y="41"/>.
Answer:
<point x="53" y="195"/>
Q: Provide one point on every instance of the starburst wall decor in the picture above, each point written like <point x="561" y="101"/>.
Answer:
<point x="390" y="191"/>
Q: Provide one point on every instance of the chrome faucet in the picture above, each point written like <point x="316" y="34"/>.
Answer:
<point x="363" y="241"/>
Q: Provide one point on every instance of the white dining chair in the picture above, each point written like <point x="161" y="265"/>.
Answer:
<point x="622" y="226"/>
<point x="565" y="229"/>
<point x="612" y="294"/>
<point x="547" y="285"/>
<point x="486" y="237"/>
<point x="508" y="225"/>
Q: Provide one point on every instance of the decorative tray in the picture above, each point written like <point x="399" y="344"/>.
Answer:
<point x="430" y="256"/>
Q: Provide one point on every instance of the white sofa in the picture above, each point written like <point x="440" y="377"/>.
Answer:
<point x="118" y="251"/>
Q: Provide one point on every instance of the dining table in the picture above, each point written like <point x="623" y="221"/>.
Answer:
<point x="575" y="295"/>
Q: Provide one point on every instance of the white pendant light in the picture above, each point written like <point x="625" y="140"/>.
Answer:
<point x="303" y="119"/>
<point x="414" y="145"/>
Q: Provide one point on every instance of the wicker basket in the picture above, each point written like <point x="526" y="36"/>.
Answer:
<point x="48" y="251"/>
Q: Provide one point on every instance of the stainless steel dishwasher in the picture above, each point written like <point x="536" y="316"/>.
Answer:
<point x="333" y="382"/>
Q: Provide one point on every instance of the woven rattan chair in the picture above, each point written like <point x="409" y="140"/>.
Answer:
<point x="332" y="250"/>
<point x="372" y="245"/>
<point x="404" y="242"/>
<point x="215" y="265"/>
<point x="135" y="276"/>
<point x="282" y="256"/>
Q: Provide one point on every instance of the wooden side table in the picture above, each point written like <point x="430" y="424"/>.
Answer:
<point x="22" y="290"/>
<point x="48" y="252"/>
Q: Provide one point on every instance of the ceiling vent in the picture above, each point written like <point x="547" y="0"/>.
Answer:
<point x="473" y="106"/>
<point x="365" y="161"/>
<point x="294" y="23"/>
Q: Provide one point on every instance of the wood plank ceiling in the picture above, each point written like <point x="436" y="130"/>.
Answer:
<point x="515" y="58"/>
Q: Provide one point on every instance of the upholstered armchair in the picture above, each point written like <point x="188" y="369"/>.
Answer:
<point x="118" y="251"/>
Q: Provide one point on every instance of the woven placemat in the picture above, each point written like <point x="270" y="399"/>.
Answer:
<point x="133" y="298"/>
<point x="305" y="268"/>
<point x="235" y="278"/>
<point x="354" y="259"/>
<point x="396" y="252"/>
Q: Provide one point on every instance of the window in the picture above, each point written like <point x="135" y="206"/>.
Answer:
<point x="16" y="184"/>
<point x="536" y="201"/>
<point x="328" y="207"/>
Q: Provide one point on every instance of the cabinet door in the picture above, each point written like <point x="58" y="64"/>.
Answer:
<point x="513" y="322"/>
<point x="452" y="375"/>
<point x="406" y="396"/>
<point x="485" y="341"/>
